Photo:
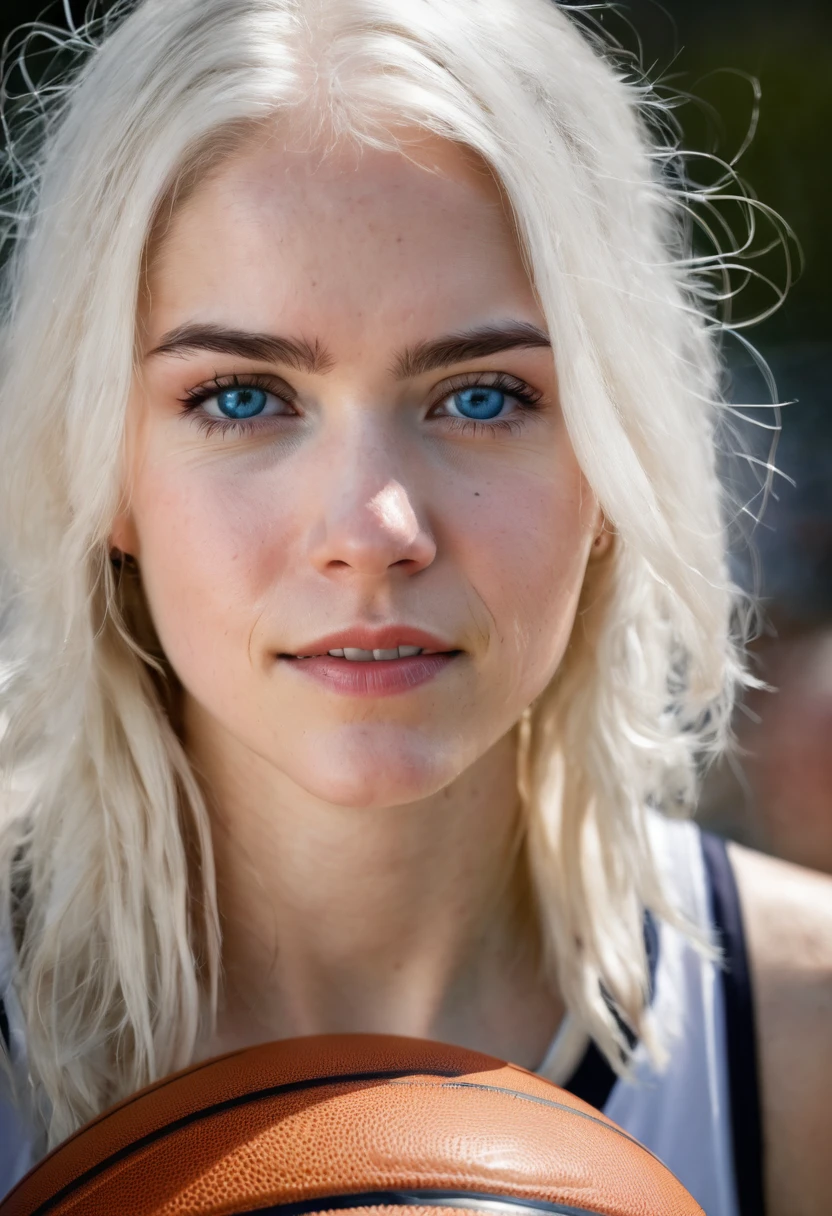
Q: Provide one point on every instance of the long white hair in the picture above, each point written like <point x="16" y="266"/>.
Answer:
<point x="106" y="872"/>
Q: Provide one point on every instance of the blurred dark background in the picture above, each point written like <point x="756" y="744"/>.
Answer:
<point x="777" y="793"/>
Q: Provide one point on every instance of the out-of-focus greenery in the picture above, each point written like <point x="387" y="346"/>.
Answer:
<point x="787" y="48"/>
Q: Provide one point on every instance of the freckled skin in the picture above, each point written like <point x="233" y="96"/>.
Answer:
<point x="249" y="548"/>
<point x="367" y="877"/>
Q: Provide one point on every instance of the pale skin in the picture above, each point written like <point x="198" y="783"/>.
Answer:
<point x="364" y="845"/>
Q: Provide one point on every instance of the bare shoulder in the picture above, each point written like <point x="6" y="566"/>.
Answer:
<point x="787" y="915"/>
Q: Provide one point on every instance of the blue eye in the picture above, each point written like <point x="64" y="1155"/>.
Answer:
<point x="244" y="402"/>
<point x="237" y="401"/>
<point x="479" y="401"/>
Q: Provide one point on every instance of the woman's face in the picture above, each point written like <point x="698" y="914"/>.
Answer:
<point x="345" y="435"/>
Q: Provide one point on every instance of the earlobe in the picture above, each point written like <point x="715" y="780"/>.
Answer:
<point x="602" y="540"/>
<point x="123" y="540"/>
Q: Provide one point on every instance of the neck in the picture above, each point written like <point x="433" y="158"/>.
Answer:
<point x="411" y="920"/>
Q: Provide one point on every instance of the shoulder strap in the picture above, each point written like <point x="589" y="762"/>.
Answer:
<point x="11" y="932"/>
<point x="594" y="1078"/>
<point x="12" y="935"/>
<point x="740" y="1029"/>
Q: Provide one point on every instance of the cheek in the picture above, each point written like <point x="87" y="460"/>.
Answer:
<point x="528" y="546"/>
<point x="209" y="542"/>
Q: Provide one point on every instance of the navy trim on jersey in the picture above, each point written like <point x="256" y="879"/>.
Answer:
<point x="740" y="1029"/>
<point x="593" y="1079"/>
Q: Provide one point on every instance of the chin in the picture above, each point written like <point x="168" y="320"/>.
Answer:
<point x="373" y="776"/>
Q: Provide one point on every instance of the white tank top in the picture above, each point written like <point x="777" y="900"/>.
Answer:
<point x="684" y="1114"/>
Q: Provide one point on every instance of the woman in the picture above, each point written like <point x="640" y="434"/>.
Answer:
<point x="367" y="610"/>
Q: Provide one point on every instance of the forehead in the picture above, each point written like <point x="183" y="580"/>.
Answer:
<point x="353" y="231"/>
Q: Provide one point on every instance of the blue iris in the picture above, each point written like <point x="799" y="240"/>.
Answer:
<point x="479" y="401"/>
<point x="242" y="402"/>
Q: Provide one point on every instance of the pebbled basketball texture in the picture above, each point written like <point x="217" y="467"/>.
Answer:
<point x="376" y="1125"/>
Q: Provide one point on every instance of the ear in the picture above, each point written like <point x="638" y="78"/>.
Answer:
<point x="602" y="539"/>
<point x="123" y="534"/>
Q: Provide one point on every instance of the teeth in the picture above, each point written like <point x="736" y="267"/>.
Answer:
<point x="356" y="655"/>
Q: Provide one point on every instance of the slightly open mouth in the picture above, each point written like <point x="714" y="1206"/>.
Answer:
<point x="354" y="655"/>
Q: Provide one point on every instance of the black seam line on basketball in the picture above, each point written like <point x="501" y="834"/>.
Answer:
<point x="510" y="1205"/>
<point x="206" y="1112"/>
<point x="516" y="1093"/>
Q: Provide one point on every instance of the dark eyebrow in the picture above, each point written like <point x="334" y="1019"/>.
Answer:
<point x="470" y="344"/>
<point x="293" y="352"/>
<point x="312" y="357"/>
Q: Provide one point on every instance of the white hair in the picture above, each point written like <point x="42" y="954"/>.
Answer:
<point x="105" y="857"/>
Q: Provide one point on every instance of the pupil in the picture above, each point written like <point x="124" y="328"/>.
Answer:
<point x="479" y="402"/>
<point x="241" y="402"/>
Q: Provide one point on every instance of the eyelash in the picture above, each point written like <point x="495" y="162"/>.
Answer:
<point x="194" y="398"/>
<point x="529" y="400"/>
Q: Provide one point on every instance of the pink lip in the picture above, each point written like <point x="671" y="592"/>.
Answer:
<point x="371" y="678"/>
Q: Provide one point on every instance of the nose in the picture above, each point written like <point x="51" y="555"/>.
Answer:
<point x="367" y="522"/>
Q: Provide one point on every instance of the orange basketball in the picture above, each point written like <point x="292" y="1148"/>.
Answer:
<point x="373" y="1123"/>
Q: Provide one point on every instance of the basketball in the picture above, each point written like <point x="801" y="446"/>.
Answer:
<point x="372" y="1123"/>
